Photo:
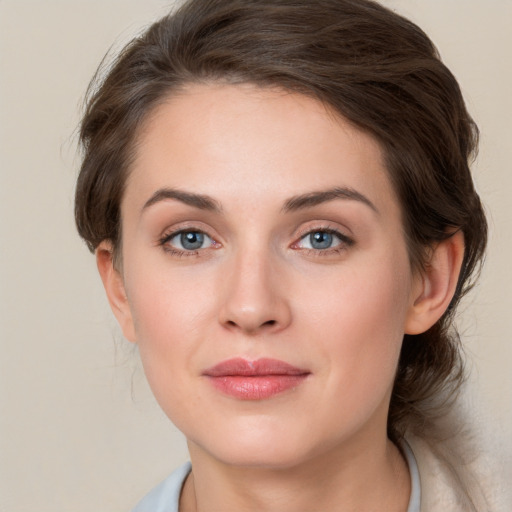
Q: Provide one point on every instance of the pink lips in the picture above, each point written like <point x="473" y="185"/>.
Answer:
<point x="254" y="380"/>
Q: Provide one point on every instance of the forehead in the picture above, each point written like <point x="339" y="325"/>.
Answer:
<point x="224" y="140"/>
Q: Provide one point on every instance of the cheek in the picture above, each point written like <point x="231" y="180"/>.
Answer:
<point x="374" y="294"/>
<point x="170" y="313"/>
<point x="167" y="301"/>
<point x="357" y="320"/>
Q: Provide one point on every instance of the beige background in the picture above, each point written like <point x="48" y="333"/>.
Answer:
<point x="79" y="430"/>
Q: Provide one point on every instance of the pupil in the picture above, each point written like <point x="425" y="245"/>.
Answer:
<point x="192" y="240"/>
<point x="321" y="240"/>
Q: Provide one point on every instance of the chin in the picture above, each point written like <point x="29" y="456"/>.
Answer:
<point x="257" y="456"/>
<point x="260" y="445"/>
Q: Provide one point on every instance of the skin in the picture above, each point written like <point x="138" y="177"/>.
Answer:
<point x="258" y="288"/>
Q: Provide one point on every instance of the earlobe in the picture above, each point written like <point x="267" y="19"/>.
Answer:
<point x="436" y="285"/>
<point x="114" y="288"/>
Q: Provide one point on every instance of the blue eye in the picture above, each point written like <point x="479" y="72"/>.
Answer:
<point x="190" y="240"/>
<point x="323" y="239"/>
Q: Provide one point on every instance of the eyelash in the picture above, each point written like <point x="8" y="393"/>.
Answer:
<point x="173" y="251"/>
<point x="344" y="242"/>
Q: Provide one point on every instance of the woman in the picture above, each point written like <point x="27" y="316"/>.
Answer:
<point x="279" y="200"/>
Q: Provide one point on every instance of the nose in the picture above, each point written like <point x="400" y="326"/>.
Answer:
<point x="253" y="296"/>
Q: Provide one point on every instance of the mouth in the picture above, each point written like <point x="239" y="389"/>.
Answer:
<point x="255" y="380"/>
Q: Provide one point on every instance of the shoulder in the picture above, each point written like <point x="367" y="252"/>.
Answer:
<point x="459" y="473"/>
<point x="165" y="496"/>
<point x="442" y="481"/>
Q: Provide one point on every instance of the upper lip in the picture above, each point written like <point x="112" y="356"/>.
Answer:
<point x="260" y="367"/>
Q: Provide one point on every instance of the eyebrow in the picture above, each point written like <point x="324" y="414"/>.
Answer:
<point x="315" y="198"/>
<point x="300" y="202"/>
<point x="200" y="201"/>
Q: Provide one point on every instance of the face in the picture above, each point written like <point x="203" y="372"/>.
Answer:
<point x="267" y="278"/>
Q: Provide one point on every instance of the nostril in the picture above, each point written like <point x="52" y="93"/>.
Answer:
<point x="247" y="326"/>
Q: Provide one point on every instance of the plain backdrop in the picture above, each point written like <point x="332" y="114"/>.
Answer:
<point x="79" y="429"/>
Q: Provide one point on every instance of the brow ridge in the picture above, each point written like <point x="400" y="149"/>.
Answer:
<point x="303" y="201"/>
<point x="200" y="201"/>
<point x="311" y="199"/>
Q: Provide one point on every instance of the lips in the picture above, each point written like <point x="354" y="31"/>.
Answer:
<point x="254" y="380"/>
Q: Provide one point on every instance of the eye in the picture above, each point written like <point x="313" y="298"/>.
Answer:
<point x="323" y="240"/>
<point x="319" y="240"/>
<point x="188" y="240"/>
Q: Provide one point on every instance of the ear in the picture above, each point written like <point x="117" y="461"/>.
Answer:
<point x="114" y="287"/>
<point x="436" y="285"/>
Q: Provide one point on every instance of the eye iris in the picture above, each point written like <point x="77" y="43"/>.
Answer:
<point x="320" y="240"/>
<point x="192" y="240"/>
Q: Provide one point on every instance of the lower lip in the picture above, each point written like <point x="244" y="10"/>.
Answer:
<point x="258" y="387"/>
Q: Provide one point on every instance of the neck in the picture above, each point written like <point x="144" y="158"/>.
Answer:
<point x="346" y="478"/>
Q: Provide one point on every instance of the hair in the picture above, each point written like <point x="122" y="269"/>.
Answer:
<point x="369" y="65"/>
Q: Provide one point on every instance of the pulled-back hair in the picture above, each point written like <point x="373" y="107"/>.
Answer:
<point x="367" y="64"/>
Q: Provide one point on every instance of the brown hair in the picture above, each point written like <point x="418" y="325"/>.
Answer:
<point x="368" y="64"/>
